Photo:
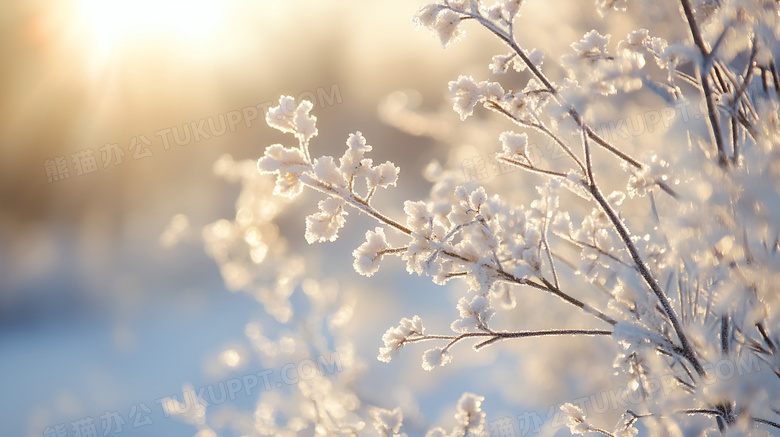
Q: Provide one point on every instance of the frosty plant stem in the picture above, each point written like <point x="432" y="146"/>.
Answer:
<point x="625" y="235"/>
<point x="717" y="240"/>
<point x="363" y="206"/>
<point x="703" y="70"/>
<point x="508" y="38"/>
<point x="295" y="169"/>
<point x="498" y="336"/>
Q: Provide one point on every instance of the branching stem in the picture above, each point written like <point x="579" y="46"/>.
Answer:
<point x="703" y="70"/>
<point x="644" y="271"/>
<point x="498" y="336"/>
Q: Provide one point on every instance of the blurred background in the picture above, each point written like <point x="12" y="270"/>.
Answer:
<point x="112" y="115"/>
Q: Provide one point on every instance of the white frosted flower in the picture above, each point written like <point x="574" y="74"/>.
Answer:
<point x="387" y="422"/>
<point x="435" y="357"/>
<point x="413" y="325"/>
<point x="366" y="170"/>
<point x="287" y="117"/>
<point x="576" y="423"/>
<point x="592" y="46"/>
<point x="478" y="198"/>
<point x="280" y="117"/>
<point x="512" y="7"/>
<point x="288" y="164"/>
<point x="465" y="95"/>
<point x="514" y="143"/>
<point x="460" y="214"/>
<point x="324" y="225"/>
<point x="418" y="217"/>
<point x="280" y="158"/>
<point x="474" y="314"/>
<point x="288" y="185"/>
<point x="446" y="26"/>
<point x="326" y="171"/>
<point x="470" y="414"/>
<point x="383" y="175"/>
<point x="395" y="337"/>
<point x="353" y="157"/>
<point x="426" y="15"/>
<point x="635" y="40"/>
<point x="369" y="254"/>
<point x="492" y="90"/>
<point x="499" y="64"/>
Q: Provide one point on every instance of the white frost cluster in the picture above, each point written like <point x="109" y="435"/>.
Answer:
<point x="469" y="417"/>
<point x="325" y="224"/>
<point x="576" y="422"/>
<point x="597" y="72"/>
<point x="592" y="47"/>
<point x="442" y="21"/>
<point x="294" y="169"/>
<point x="353" y="164"/>
<point x="435" y="357"/>
<point x="474" y="314"/>
<point x="288" y="164"/>
<point x="396" y="337"/>
<point x="469" y="411"/>
<point x="514" y="144"/>
<point x="466" y="94"/>
<point x="387" y="422"/>
<point x="289" y="118"/>
<point x="369" y="254"/>
<point x="705" y="258"/>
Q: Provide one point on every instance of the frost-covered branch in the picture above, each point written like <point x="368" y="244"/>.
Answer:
<point x="625" y="235"/>
<point x="703" y="70"/>
<point x="688" y="289"/>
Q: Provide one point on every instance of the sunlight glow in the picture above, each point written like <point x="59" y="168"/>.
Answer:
<point x="114" y="19"/>
<point x="108" y="24"/>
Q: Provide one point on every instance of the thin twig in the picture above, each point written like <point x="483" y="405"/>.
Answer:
<point x="766" y="422"/>
<point x="775" y="77"/>
<point x="547" y="248"/>
<point x="509" y="40"/>
<point x="624" y="234"/>
<point x="531" y="167"/>
<point x="712" y="111"/>
<point x="503" y="335"/>
<point x="541" y="128"/>
<point x="367" y="209"/>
